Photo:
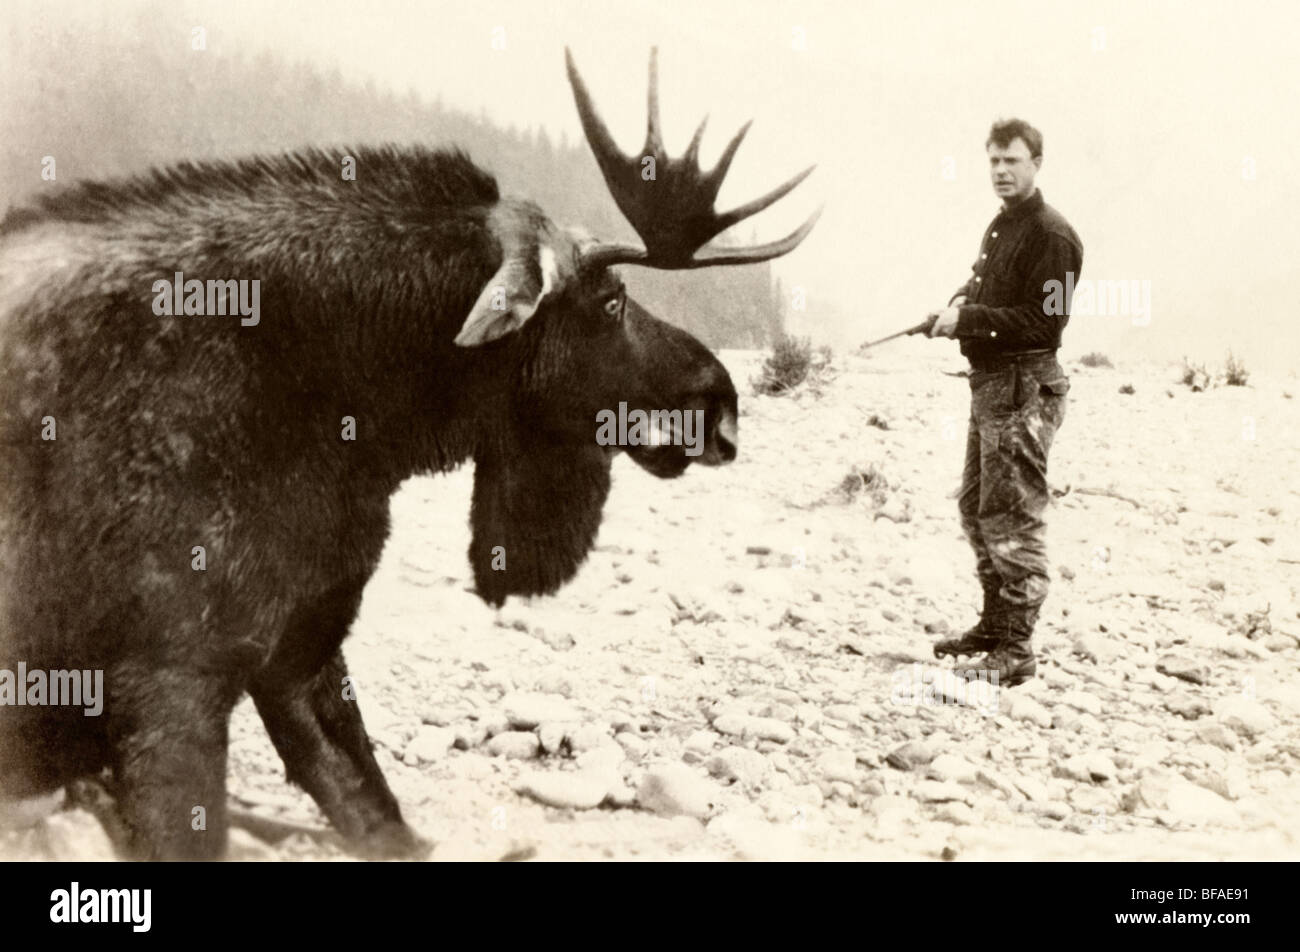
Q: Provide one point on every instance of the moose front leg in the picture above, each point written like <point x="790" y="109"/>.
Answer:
<point x="169" y="731"/>
<point x="319" y="733"/>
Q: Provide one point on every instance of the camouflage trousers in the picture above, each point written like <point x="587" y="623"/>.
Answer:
<point x="1015" y="413"/>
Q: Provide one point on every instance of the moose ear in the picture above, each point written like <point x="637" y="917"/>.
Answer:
<point x="512" y="296"/>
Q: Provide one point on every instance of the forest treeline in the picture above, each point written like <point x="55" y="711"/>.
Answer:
<point x="124" y="101"/>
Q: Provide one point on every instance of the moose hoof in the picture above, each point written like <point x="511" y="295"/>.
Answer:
<point x="392" y="840"/>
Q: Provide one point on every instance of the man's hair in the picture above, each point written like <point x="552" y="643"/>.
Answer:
<point x="1006" y="131"/>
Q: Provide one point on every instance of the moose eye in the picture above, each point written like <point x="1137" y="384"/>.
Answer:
<point x="614" y="306"/>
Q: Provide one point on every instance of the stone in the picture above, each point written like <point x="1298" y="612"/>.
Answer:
<point x="575" y="790"/>
<point x="1082" y="701"/>
<point x="514" y="745"/>
<point x="526" y="710"/>
<point x="1245" y="715"/>
<point x="75" y="835"/>
<point x="243" y="847"/>
<point x="1034" y="790"/>
<point x="950" y="767"/>
<point x="431" y="744"/>
<point x="914" y="753"/>
<point x="1027" y="709"/>
<point x="749" y="768"/>
<point x="608" y="758"/>
<point x="634" y="746"/>
<point x="847" y="713"/>
<point x="676" y="790"/>
<point x="745" y="726"/>
<point x="586" y="737"/>
<point x="701" y="742"/>
<point x="1186" y="706"/>
<point x="838" y="765"/>
<point x="1185" y="669"/>
<point x="937" y="791"/>
<point x="551" y="736"/>
<point x="954" y="812"/>
<point x="1218" y="735"/>
<point x="1096" y="647"/>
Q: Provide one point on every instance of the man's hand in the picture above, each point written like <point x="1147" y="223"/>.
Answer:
<point x="945" y="322"/>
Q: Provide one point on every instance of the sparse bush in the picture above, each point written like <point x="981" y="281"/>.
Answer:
<point x="1235" y="373"/>
<point x="1127" y="389"/>
<point x="865" y="479"/>
<point x="1095" y="359"/>
<point x="1195" y="376"/>
<point x="879" y="422"/>
<point x="792" y="362"/>
<point x="786" y="367"/>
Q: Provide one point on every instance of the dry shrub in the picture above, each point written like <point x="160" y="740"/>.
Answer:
<point x="1235" y="373"/>
<point x="1095" y="359"/>
<point x="791" y="363"/>
<point x="1195" y="376"/>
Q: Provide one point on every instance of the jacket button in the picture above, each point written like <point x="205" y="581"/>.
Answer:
<point x="995" y="234"/>
<point x="993" y="333"/>
<point x="977" y="279"/>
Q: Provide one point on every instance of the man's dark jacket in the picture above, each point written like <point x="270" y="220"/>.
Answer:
<point x="1009" y="298"/>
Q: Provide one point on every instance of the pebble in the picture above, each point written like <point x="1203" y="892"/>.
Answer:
<point x="1186" y="706"/>
<point x="848" y="713"/>
<point x="950" y="767"/>
<point x="1082" y="701"/>
<point x="955" y="812"/>
<point x="514" y="745"/>
<point x="607" y="758"/>
<point x="1245" y="715"/>
<point x="676" y="790"/>
<point x="75" y="835"/>
<point x="1185" y="669"/>
<point x="838" y="765"/>
<point x="430" y="744"/>
<point x="632" y="745"/>
<point x="938" y="791"/>
<point x="763" y="728"/>
<point x="749" y="768"/>
<point x="587" y="737"/>
<point x="1095" y="646"/>
<point x="551" y="736"/>
<point x="1218" y="735"/>
<point x="577" y="790"/>
<point x="1034" y="790"/>
<point x="914" y="753"/>
<point x="701" y="742"/>
<point x="1027" y="709"/>
<point x="526" y="710"/>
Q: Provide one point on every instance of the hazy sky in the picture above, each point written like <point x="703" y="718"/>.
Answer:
<point x="1170" y="130"/>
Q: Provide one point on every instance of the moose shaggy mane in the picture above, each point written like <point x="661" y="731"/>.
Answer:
<point x="401" y="175"/>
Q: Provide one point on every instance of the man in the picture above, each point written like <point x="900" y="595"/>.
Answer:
<point x="1009" y="317"/>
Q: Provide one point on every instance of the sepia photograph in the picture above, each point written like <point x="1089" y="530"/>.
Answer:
<point x="726" y="431"/>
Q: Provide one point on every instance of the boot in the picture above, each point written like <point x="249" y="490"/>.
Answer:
<point x="981" y="637"/>
<point x="1012" y="661"/>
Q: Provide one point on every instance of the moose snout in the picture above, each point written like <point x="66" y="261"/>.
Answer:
<point x="722" y="437"/>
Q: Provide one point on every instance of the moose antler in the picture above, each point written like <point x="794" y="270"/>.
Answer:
<point x="673" y="211"/>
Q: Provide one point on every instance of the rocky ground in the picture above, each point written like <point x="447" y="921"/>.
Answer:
<point x="743" y="667"/>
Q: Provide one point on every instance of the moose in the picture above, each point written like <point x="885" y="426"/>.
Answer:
<point x="180" y="506"/>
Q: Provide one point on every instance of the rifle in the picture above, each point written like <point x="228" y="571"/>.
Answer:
<point x="922" y="328"/>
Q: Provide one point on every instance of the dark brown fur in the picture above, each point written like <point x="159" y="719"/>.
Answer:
<point x="182" y="431"/>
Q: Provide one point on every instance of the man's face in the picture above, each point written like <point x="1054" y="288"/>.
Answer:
<point x="1013" y="170"/>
